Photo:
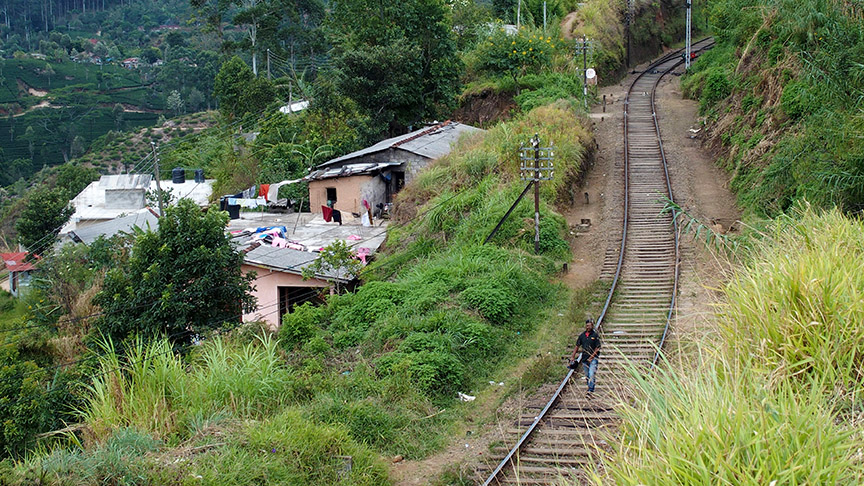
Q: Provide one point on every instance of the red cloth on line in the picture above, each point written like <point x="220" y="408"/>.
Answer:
<point x="265" y="188"/>
<point x="328" y="213"/>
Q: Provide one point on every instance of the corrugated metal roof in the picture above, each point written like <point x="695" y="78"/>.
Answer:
<point x="349" y="170"/>
<point x="15" y="261"/>
<point x="285" y="260"/>
<point x="124" y="181"/>
<point x="143" y="219"/>
<point x="432" y="142"/>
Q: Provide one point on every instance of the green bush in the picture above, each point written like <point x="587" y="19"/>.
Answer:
<point x="118" y="461"/>
<point x="301" y="324"/>
<point x="796" y="99"/>
<point x="716" y="88"/>
<point x="435" y="372"/>
<point x="492" y="299"/>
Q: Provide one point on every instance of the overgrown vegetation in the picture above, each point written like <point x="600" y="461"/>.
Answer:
<point x="777" y="395"/>
<point x="781" y="93"/>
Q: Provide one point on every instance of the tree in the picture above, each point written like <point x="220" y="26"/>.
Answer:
<point x="196" y="100"/>
<point x="515" y="54"/>
<point x="151" y="54"/>
<point x="400" y="72"/>
<point x="72" y="178"/>
<point x="175" y="102"/>
<point x="336" y="259"/>
<point x="47" y="210"/>
<point x="48" y="72"/>
<point x="183" y="279"/>
<point x="239" y="91"/>
<point x="30" y="137"/>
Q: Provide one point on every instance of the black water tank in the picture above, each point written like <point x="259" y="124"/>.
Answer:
<point x="199" y="176"/>
<point x="178" y="175"/>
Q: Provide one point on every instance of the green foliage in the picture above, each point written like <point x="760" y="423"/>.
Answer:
<point x="336" y="262"/>
<point x="300" y="325"/>
<point x="29" y="403"/>
<point x="152" y="390"/>
<point x="291" y="450"/>
<point x="795" y="305"/>
<point x="73" y="178"/>
<point x="516" y="55"/>
<point x="716" y="88"/>
<point x="401" y="72"/>
<point x="546" y="89"/>
<point x="731" y="430"/>
<point x="491" y="299"/>
<point x="804" y="51"/>
<point x="118" y="461"/>
<point x="239" y="91"/>
<point x="47" y="210"/>
<point x="803" y="322"/>
<point x="796" y="100"/>
<point x="182" y="279"/>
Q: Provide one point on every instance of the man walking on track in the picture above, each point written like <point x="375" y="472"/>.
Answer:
<point x="589" y="343"/>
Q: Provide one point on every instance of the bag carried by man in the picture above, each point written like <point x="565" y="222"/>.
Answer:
<point x="574" y="365"/>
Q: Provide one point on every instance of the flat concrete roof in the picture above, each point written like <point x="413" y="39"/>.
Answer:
<point x="311" y="231"/>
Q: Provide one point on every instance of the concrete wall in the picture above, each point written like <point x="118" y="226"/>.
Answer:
<point x="124" y="198"/>
<point x="266" y="291"/>
<point x="350" y="192"/>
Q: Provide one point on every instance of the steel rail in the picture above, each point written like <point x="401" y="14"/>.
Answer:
<point x="506" y="461"/>
<point x="675" y="228"/>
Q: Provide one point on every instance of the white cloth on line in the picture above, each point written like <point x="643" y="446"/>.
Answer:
<point x="273" y="192"/>
<point x="252" y="203"/>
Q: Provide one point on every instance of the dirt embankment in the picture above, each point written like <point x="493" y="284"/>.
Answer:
<point x="485" y="108"/>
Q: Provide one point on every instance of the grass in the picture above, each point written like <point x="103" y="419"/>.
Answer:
<point x="775" y="397"/>
<point x="718" y="424"/>
<point x="151" y="390"/>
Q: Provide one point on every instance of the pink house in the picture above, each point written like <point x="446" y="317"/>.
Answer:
<point x="279" y="284"/>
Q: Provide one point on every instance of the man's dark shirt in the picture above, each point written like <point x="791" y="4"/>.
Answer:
<point x="588" y="343"/>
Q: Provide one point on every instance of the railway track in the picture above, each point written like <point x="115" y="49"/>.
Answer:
<point x="560" y="440"/>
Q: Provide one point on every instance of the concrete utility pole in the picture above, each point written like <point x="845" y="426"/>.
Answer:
<point x="688" y="47"/>
<point x="518" y="13"/>
<point x="268" y="65"/>
<point x="542" y="169"/>
<point x="158" y="184"/>
<point x="544" y="18"/>
<point x="535" y="142"/>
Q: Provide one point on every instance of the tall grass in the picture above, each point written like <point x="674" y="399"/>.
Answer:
<point x="785" y="93"/>
<point x="800" y="304"/>
<point x="720" y="424"/>
<point x="777" y="400"/>
<point x="149" y="388"/>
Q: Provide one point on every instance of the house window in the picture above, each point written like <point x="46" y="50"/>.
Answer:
<point x="331" y="194"/>
<point x="291" y="296"/>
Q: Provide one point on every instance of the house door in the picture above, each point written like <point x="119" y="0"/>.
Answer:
<point x="397" y="182"/>
<point x="291" y="296"/>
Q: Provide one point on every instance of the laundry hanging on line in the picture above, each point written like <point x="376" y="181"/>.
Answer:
<point x="273" y="189"/>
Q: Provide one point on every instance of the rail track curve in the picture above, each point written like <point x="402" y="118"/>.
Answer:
<point x="562" y="437"/>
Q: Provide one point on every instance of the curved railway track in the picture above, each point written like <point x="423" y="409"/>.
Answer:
<point x="561" y="438"/>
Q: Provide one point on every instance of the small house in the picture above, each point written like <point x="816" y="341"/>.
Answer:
<point x="19" y="272"/>
<point x="375" y="174"/>
<point x="108" y="198"/>
<point x="131" y="62"/>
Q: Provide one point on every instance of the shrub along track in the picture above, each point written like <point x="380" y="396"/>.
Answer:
<point x="563" y="437"/>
